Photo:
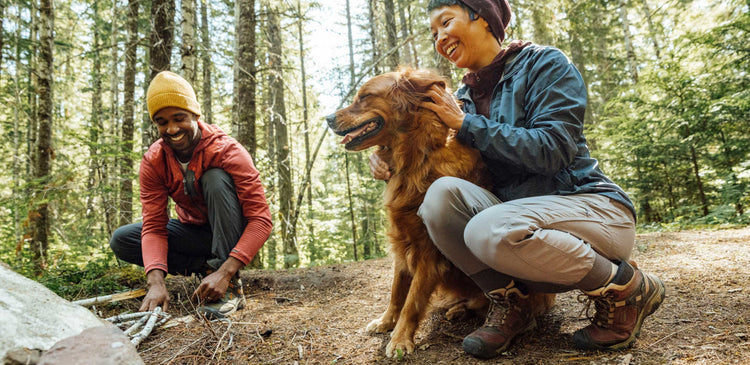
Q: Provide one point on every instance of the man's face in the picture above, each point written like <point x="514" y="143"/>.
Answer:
<point x="179" y="129"/>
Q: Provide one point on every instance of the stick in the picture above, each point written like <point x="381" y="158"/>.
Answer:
<point x="147" y="329"/>
<point x="136" y="326"/>
<point x="125" y="317"/>
<point x="111" y="298"/>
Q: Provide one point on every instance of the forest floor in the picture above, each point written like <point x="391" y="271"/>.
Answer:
<point x="318" y="315"/>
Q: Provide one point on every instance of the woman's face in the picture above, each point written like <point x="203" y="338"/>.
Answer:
<point x="465" y="42"/>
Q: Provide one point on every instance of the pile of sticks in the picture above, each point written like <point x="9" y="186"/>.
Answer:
<point x="143" y="322"/>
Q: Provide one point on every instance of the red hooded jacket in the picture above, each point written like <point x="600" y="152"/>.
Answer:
<point x="161" y="178"/>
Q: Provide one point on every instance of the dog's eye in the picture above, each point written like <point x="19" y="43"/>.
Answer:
<point x="363" y="97"/>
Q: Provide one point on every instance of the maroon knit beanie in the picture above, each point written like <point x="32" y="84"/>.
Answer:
<point x="495" y="12"/>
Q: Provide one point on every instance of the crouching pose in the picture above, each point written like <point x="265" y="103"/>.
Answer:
<point x="223" y="214"/>
<point x="554" y="221"/>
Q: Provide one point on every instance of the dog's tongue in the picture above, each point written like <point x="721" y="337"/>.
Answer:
<point x="353" y="134"/>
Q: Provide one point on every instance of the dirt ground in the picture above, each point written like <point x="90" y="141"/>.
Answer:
<point x="318" y="315"/>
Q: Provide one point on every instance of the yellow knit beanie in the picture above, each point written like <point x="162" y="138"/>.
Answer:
<point x="170" y="89"/>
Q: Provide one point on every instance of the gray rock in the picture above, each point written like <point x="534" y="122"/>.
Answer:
<point x="33" y="317"/>
<point x="94" y="346"/>
<point x="22" y="356"/>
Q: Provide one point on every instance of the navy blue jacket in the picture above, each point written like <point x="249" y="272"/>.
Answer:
<point x="533" y="142"/>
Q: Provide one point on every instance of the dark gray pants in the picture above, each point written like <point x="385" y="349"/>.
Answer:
<point x="191" y="247"/>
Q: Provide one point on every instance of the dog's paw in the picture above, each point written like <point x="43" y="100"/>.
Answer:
<point x="397" y="348"/>
<point x="457" y="312"/>
<point x="379" y="325"/>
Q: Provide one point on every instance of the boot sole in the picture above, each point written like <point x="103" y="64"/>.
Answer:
<point x="479" y="349"/>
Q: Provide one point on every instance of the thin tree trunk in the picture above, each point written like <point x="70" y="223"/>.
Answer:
<point x="2" y="39"/>
<point x="651" y="28"/>
<point x="391" y="33"/>
<point x="95" y="123"/>
<point x="283" y="160"/>
<point x="40" y="217"/>
<point x="407" y="56"/>
<point x="696" y="172"/>
<point x="346" y="155"/>
<point x="632" y="64"/>
<point x="187" y="50"/>
<point x="18" y="193"/>
<point x="162" y="37"/>
<point x="207" y="101"/>
<point x="310" y="226"/>
<point x="244" y="84"/>
<point x="110" y="139"/>
<point x="128" y="120"/>
<point x="373" y="35"/>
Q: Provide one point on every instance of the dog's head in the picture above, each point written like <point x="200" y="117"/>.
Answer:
<point x="385" y="106"/>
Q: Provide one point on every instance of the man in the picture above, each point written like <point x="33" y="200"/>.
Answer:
<point x="224" y="218"/>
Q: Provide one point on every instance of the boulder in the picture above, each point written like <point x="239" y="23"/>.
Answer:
<point x="33" y="317"/>
<point x="94" y="346"/>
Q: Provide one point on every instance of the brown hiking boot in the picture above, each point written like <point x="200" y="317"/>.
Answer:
<point x="510" y="315"/>
<point x="621" y="306"/>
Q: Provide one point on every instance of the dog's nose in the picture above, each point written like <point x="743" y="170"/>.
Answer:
<point x="331" y="119"/>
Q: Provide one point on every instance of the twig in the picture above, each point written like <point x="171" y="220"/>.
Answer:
<point x="111" y="298"/>
<point x="671" y="334"/>
<point x="221" y="339"/>
<point x="125" y="317"/>
<point x="137" y="325"/>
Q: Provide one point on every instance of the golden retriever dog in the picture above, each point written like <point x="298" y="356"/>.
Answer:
<point x="419" y="148"/>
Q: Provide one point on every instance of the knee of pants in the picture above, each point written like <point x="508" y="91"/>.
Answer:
<point x="216" y="179"/>
<point x="438" y="202"/>
<point x="495" y="227"/>
<point x="125" y="243"/>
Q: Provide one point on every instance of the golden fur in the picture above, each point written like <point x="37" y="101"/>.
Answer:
<point x="419" y="149"/>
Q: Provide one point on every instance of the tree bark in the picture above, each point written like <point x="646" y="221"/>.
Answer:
<point x="391" y="34"/>
<point x="95" y="123"/>
<point x="245" y="85"/>
<point x="279" y="118"/>
<point x="651" y="28"/>
<point x="207" y="99"/>
<point x="187" y="50"/>
<point x="625" y="22"/>
<point x="162" y="38"/>
<point x="128" y="120"/>
<point x="311" y="247"/>
<point x="40" y="216"/>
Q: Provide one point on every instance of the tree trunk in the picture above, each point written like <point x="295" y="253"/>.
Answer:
<point x="696" y="172"/>
<point x="162" y="37"/>
<point x="540" y="19"/>
<point x="651" y="28"/>
<point x="187" y="50"/>
<point x="95" y="123"/>
<point x="391" y="34"/>
<point x="308" y="159"/>
<point x="373" y="35"/>
<point x="2" y="33"/>
<point x="110" y="140"/>
<point x="283" y="160"/>
<point x="207" y="100"/>
<point x="40" y="217"/>
<point x="245" y="84"/>
<point x="128" y="120"/>
<point x="407" y="58"/>
<point x="632" y="63"/>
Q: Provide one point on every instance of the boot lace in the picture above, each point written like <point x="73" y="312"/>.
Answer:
<point x="603" y="305"/>
<point x="499" y="308"/>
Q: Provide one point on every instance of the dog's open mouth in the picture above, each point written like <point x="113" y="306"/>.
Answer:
<point x="356" y="135"/>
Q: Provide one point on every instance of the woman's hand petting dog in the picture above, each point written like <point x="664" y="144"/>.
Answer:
<point x="379" y="168"/>
<point x="445" y="106"/>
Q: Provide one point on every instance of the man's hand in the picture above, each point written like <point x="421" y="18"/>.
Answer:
<point x="445" y="106"/>
<point x="213" y="286"/>
<point x="157" y="294"/>
<point x="379" y="169"/>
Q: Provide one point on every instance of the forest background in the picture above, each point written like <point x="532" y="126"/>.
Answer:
<point x="668" y="115"/>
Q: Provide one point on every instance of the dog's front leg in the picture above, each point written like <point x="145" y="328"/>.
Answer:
<point x="414" y="309"/>
<point x="399" y="289"/>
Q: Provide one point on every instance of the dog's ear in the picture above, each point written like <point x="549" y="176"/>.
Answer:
<point x="423" y="79"/>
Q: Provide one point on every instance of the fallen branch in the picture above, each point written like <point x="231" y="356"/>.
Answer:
<point x="111" y="298"/>
<point x="136" y="340"/>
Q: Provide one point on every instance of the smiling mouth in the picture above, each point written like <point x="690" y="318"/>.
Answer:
<point x="451" y="48"/>
<point x="177" y="138"/>
<point x="355" y="136"/>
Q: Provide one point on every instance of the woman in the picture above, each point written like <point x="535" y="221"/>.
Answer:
<point x="553" y="222"/>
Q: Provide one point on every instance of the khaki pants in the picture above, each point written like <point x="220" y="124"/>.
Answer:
<point x="548" y="242"/>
